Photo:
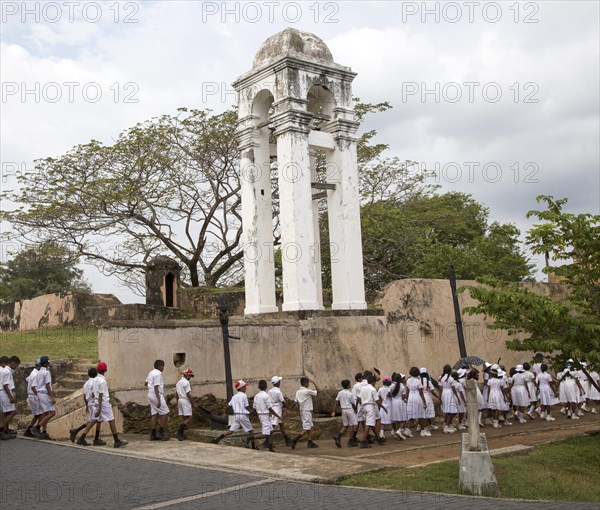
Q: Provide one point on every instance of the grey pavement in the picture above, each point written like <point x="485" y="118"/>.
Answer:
<point x="36" y="474"/>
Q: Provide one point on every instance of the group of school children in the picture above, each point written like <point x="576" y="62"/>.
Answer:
<point x="400" y="404"/>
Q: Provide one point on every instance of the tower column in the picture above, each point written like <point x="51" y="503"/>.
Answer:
<point x="298" y="237"/>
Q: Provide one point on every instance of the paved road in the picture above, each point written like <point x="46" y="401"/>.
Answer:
<point x="37" y="474"/>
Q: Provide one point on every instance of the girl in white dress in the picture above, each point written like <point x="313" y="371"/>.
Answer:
<point x="449" y="398"/>
<point x="398" y="398"/>
<point x="416" y="403"/>
<point x="429" y="392"/>
<point x="585" y="384"/>
<point x="484" y="391"/>
<point x="386" y="415"/>
<point x="519" y="392"/>
<point x="594" y="395"/>
<point x="497" y="397"/>
<point x="530" y="378"/>
<point x="545" y="382"/>
<point x="460" y="378"/>
<point x="572" y="392"/>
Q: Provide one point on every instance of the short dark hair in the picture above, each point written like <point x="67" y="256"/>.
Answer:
<point x="303" y="380"/>
<point x="358" y="377"/>
<point x="14" y="359"/>
<point x="526" y="366"/>
<point x="4" y="359"/>
<point x="92" y="372"/>
<point x="262" y="384"/>
<point x="414" y="371"/>
<point x="159" y="363"/>
<point x="543" y="367"/>
<point x="346" y="384"/>
<point x="371" y="379"/>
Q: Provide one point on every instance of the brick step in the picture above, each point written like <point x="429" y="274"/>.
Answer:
<point x="67" y="383"/>
<point x="82" y="367"/>
<point x="83" y="376"/>
<point x="63" y="392"/>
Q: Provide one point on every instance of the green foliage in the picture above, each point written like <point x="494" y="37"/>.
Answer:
<point x="569" y="327"/>
<point x="46" y="268"/>
<point x="420" y="236"/>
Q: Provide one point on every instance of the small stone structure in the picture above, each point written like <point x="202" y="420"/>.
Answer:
<point x="296" y="114"/>
<point x="162" y="281"/>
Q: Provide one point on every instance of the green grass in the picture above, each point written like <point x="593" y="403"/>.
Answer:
<point x="566" y="470"/>
<point x="80" y="342"/>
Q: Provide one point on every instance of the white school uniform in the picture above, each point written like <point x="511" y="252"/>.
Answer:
<point x="386" y="416"/>
<point x="360" y="415"/>
<point x="184" y="406"/>
<point x="44" y="378"/>
<point x="100" y="387"/>
<point x="547" y="397"/>
<point x="6" y="378"/>
<point x="32" y="398"/>
<point x="241" y="420"/>
<point x="154" y="379"/>
<point x="427" y="387"/>
<point x="594" y="393"/>
<point x="368" y="398"/>
<point x="518" y="392"/>
<point x="347" y="400"/>
<point x="262" y="404"/>
<point x="462" y="393"/>
<point x="304" y="398"/>
<point x="585" y="384"/>
<point x="277" y="399"/>
<point x="529" y="379"/>
<point x="449" y="401"/>
<point x="571" y="390"/>
<point x="398" y="403"/>
<point x="88" y="393"/>
<point x="495" y="396"/>
<point x="414" y="405"/>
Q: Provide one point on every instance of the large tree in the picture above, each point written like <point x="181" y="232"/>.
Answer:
<point x="46" y="268"/>
<point x="566" y="328"/>
<point x="167" y="186"/>
<point x="420" y="236"/>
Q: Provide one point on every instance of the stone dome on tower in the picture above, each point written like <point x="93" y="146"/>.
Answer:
<point x="293" y="43"/>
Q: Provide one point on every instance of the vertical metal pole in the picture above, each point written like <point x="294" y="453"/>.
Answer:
<point x="224" y="320"/>
<point x="457" y="316"/>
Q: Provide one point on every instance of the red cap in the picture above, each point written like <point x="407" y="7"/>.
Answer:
<point x="102" y="367"/>
<point x="188" y="372"/>
<point x="241" y="384"/>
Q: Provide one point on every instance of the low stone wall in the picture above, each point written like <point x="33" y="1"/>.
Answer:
<point x="50" y="310"/>
<point x="99" y="315"/>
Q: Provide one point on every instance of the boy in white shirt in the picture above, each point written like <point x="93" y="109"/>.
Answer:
<point x="158" y="404"/>
<point x="264" y="408"/>
<point x="347" y="402"/>
<point x="34" y="402"/>
<point x="102" y="408"/>
<point x="304" y="399"/>
<point x="88" y="398"/>
<point x="46" y="396"/>
<point x="277" y="399"/>
<point x="241" y="413"/>
<point x="369" y="399"/>
<point x="8" y="398"/>
<point x="185" y="403"/>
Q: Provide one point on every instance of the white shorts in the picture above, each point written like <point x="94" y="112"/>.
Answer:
<point x="106" y="412"/>
<point x="46" y="402"/>
<point x="349" y="418"/>
<point x="370" y="416"/>
<point x="184" y="407"/>
<point x="306" y="417"/>
<point x="360" y="414"/>
<point x="265" y="424"/>
<point x="154" y="408"/>
<point x="274" y="420"/>
<point x="91" y="411"/>
<point x="241" y="421"/>
<point x="6" y="406"/>
<point x="35" y="405"/>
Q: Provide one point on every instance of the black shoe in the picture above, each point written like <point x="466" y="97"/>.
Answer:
<point x="352" y="444"/>
<point x="82" y="442"/>
<point x="312" y="444"/>
<point x="371" y="439"/>
<point x="365" y="444"/>
<point x="28" y="433"/>
<point x="46" y="436"/>
<point x="382" y="440"/>
<point x="163" y="437"/>
<point x="73" y="435"/>
<point x="338" y="441"/>
<point x="37" y="433"/>
<point x="99" y="442"/>
<point x="120" y="442"/>
<point x="293" y="443"/>
<point x="180" y="436"/>
<point x="216" y="440"/>
<point x="4" y="436"/>
<point x="288" y="441"/>
<point x="11" y="432"/>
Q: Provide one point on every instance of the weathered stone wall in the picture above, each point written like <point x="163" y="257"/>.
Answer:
<point x="50" y="310"/>
<point x="415" y="327"/>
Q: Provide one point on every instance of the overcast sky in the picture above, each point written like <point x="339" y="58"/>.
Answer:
<point x="501" y="98"/>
